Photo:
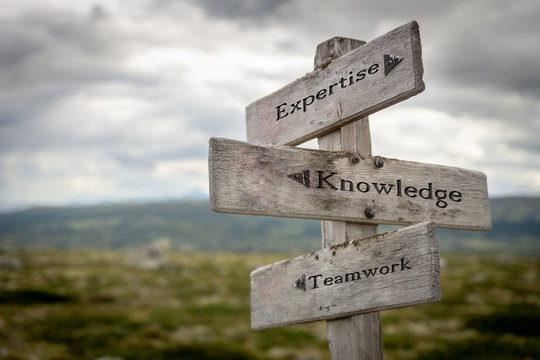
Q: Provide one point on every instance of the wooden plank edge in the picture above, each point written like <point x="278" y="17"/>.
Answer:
<point x="417" y="56"/>
<point x="212" y="191"/>
<point x="434" y="298"/>
<point x="214" y="206"/>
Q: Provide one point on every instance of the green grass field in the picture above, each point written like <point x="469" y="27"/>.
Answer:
<point x="92" y="304"/>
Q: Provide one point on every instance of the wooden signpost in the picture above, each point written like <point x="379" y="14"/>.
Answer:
<point x="381" y="73"/>
<point x="330" y="185"/>
<point x="358" y="272"/>
<point x="395" y="269"/>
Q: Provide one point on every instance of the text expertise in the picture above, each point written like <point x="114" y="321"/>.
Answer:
<point x="303" y="104"/>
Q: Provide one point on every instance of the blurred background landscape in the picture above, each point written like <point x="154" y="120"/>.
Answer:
<point x="191" y="226"/>
<point x="170" y="280"/>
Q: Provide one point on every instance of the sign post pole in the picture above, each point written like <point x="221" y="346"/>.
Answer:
<point x="360" y="336"/>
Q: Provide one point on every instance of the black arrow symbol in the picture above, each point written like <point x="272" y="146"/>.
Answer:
<point x="300" y="283"/>
<point x="301" y="177"/>
<point x="390" y="62"/>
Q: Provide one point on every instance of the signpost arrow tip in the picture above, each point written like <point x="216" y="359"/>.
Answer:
<point x="301" y="177"/>
<point x="300" y="283"/>
<point x="390" y="61"/>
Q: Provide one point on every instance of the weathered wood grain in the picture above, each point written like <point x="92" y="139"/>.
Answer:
<point x="292" y="182"/>
<point x="390" y="270"/>
<point x="346" y="89"/>
<point x="357" y="337"/>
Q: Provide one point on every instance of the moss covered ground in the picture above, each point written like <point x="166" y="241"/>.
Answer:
<point x="93" y="304"/>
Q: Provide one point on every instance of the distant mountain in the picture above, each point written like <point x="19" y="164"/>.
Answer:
<point x="515" y="229"/>
<point x="192" y="226"/>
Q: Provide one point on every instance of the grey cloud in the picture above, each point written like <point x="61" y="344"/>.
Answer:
<point x="513" y="70"/>
<point x="479" y="102"/>
<point x="87" y="33"/>
<point x="50" y="47"/>
<point x="491" y="47"/>
<point x="16" y="44"/>
<point x="147" y="161"/>
<point x="520" y="118"/>
<point x="240" y="9"/>
<point x="48" y="56"/>
<point x="98" y="13"/>
<point x="216" y="122"/>
<point x="528" y="142"/>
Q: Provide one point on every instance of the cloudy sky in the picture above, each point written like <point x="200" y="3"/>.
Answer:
<point x="106" y="101"/>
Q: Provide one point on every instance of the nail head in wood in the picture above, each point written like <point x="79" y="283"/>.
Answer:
<point x="370" y="213"/>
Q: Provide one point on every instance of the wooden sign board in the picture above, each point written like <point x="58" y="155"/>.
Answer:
<point x="387" y="271"/>
<point x="383" y="72"/>
<point x="293" y="182"/>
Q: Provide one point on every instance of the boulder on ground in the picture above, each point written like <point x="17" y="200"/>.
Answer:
<point x="152" y="256"/>
<point x="8" y="261"/>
